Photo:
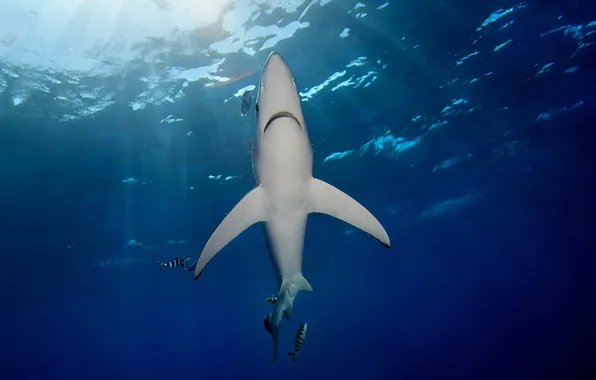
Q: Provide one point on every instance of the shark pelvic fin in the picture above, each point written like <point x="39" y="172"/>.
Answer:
<point x="288" y="291"/>
<point x="250" y="210"/>
<point x="326" y="199"/>
<point x="297" y="283"/>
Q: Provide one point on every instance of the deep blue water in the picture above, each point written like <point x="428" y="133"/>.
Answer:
<point x="491" y="273"/>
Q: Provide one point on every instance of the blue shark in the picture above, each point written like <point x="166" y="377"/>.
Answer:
<point x="286" y="191"/>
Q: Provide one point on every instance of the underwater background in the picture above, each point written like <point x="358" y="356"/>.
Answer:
<point x="466" y="127"/>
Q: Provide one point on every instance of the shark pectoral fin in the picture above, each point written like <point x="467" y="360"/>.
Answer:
<point x="250" y="210"/>
<point x="326" y="199"/>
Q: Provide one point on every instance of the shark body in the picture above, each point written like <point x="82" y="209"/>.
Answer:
<point x="286" y="191"/>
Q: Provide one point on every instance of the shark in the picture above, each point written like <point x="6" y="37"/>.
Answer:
<point x="285" y="193"/>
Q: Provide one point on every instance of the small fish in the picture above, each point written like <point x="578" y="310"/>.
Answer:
<point x="177" y="262"/>
<point x="300" y="335"/>
<point x="245" y="104"/>
<point x="272" y="299"/>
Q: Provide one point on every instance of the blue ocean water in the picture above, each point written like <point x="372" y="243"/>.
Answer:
<point x="466" y="127"/>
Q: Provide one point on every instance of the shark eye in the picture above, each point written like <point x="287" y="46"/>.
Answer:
<point x="257" y="108"/>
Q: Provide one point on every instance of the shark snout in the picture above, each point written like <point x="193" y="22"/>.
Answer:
<point x="276" y="72"/>
<point x="276" y="61"/>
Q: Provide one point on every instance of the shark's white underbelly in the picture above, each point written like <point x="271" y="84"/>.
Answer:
<point x="285" y="233"/>
<point x="284" y="167"/>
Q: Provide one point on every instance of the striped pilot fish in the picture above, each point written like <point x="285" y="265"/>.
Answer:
<point x="177" y="262"/>
<point x="271" y="299"/>
<point x="300" y="335"/>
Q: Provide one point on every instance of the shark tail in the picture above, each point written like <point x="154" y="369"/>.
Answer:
<point x="275" y="337"/>
<point x="274" y="334"/>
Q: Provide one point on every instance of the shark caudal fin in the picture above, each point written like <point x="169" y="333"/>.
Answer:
<point x="275" y="337"/>
<point x="251" y="209"/>
<point x="274" y="331"/>
<point x="326" y="199"/>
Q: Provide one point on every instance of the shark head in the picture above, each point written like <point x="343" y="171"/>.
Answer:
<point x="280" y="134"/>
<point x="278" y="95"/>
